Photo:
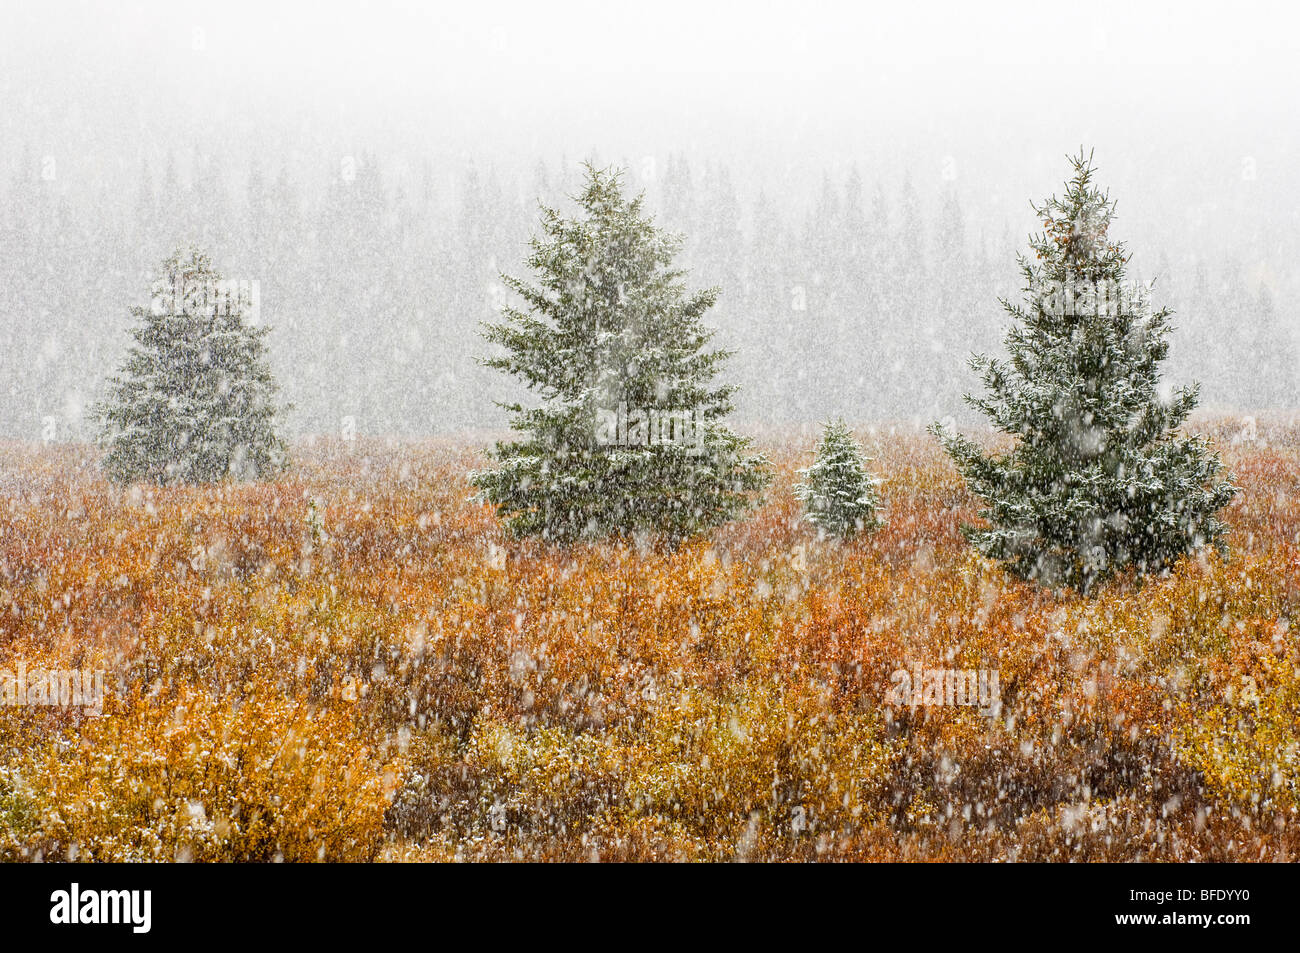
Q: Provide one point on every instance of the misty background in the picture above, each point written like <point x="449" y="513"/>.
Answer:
<point x="856" y="181"/>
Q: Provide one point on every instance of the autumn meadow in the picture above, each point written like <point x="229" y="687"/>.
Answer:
<point x="355" y="663"/>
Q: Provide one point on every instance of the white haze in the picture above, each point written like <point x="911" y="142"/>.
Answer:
<point x="1193" y="111"/>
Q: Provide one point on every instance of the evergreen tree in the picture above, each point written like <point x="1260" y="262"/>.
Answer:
<point x="1098" y="479"/>
<point x="193" y="401"/>
<point x="768" y="307"/>
<point x="840" y="495"/>
<point x="628" y="439"/>
<point x="1275" y="356"/>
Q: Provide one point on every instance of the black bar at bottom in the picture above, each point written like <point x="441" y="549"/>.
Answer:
<point x="334" y="903"/>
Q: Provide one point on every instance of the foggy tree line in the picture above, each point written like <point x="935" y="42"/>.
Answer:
<point x="375" y="285"/>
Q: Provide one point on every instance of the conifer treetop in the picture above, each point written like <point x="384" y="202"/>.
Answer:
<point x="612" y="343"/>
<point x="194" y="399"/>
<point x="839" y="493"/>
<point x="608" y="317"/>
<point x="1099" y="478"/>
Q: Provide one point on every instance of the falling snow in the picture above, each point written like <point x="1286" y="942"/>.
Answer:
<point x="443" y="441"/>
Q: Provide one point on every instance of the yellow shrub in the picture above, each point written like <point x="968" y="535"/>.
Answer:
<point x="192" y="777"/>
<point x="1248" y="746"/>
<point x="762" y="761"/>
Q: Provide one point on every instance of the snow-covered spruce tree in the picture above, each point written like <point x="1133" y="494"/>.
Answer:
<point x="628" y="436"/>
<point x="193" y="402"/>
<point x="840" y="495"/>
<point x="1099" y="479"/>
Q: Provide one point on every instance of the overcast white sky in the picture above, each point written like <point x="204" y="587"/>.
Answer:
<point x="1179" y="101"/>
<point x="657" y="58"/>
<point x="1175" y="96"/>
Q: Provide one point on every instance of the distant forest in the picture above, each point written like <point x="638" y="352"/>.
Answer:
<point x="866" y="303"/>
